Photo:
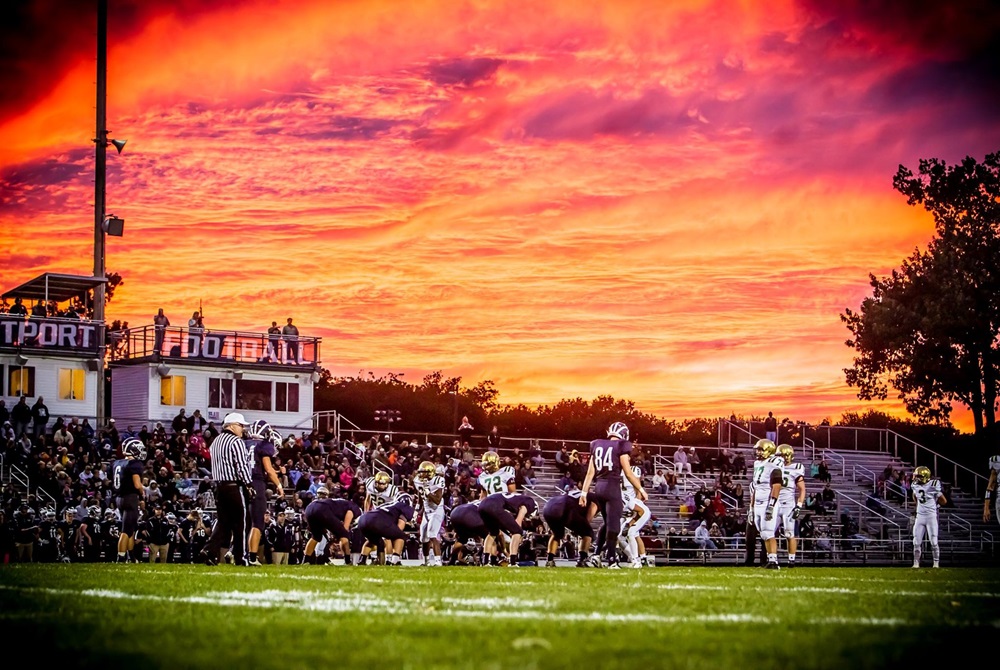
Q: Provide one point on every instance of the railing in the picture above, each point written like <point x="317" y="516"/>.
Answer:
<point x="214" y="346"/>
<point x="837" y="459"/>
<point x="961" y="476"/>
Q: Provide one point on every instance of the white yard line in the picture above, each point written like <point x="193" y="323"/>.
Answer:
<point x="340" y="602"/>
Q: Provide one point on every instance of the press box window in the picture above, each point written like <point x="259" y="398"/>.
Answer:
<point x="220" y="393"/>
<point x="21" y="381"/>
<point x="173" y="390"/>
<point x="72" y="384"/>
<point x="286" y="397"/>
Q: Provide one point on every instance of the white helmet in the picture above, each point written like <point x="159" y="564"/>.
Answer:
<point x="619" y="431"/>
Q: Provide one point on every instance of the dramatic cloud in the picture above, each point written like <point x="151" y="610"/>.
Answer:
<point x="666" y="202"/>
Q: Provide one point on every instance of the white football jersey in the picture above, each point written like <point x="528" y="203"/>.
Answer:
<point x="995" y="465"/>
<point x="761" y="482"/>
<point x="378" y="497"/>
<point x="628" y="491"/>
<point x="426" y="488"/>
<point x="789" y="475"/>
<point x="927" y="496"/>
<point x="496" y="482"/>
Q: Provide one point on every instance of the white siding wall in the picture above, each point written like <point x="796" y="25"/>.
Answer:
<point x="130" y="389"/>
<point x="135" y="396"/>
<point x="47" y="386"/>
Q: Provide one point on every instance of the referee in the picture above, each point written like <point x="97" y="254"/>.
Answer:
<point x="232" y="466"/>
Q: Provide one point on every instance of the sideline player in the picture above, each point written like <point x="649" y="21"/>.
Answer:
<point x="493" y="478"/>
<point x="430" y="488"/>
<point x="766" y="486"/>
<point x="263" y="442"/>
<point x="126" y="479"/>
<point x="329" y="515"/>
<point x="383" y="524"/>
<point x="791" y="499"/>
<point x="928" y="497"/>
<point x="561" y="513"/>
<point x="991" y="489"/>
<point x="609" y="459"/>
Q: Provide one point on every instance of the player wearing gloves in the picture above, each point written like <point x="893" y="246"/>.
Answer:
<point x="766" y="486"/>
<point x="791" y="499"/>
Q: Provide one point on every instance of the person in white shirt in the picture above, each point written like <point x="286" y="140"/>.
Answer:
<point x="659" y="482"/>
<point x="681" y="461"/>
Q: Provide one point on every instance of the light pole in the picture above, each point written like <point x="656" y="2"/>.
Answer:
<point x="103" y="224"/>
<point x="390" y="416"/>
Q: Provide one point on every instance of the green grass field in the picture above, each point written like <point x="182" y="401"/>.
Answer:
<point x="167" y="616"/>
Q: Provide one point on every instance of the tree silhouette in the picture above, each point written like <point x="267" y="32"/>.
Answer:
<point x="930" y="330"/>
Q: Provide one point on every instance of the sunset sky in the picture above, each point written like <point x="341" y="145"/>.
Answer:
<point x="668" y="202"/>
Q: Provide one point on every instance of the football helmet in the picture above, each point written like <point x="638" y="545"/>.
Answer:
<point x="259" y="430"/>
<point x="171" y="517"/>
<point x="426" y="471"/>
<point x="405" y="499"/>
<point x="94" y="511"/>
<point x="491" y="461"/>
<point x="922" y="474"/>
<point x="322" y="492"/>
<point x="49" y="514"/>
<point x="764" y="449"/>
<point x="276" y="438"/>
<point x="134" y="448"/>
<point x="618" y="430"/>
<point x="787" y="453"/>
<point x="382" y="481"/>
<point x="109" y="513"/>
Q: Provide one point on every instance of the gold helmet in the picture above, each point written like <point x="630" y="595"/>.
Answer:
<point x="787" y="453"/>
<point x="491" y="461"/>
<point x="922" y="474"/>
<point x="764" y="449"/>
<point x="382" y="481"/>
<point x="426" y="470"/>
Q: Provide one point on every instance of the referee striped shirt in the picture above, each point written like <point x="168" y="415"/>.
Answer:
<point x="232" y="460"/>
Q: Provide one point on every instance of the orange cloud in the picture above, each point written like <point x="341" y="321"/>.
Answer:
<point x="671" y="204"/>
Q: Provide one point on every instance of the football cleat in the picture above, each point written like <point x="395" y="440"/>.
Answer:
<point x="551" y="564"/>
<point x="922" y="474"/>
<point x="382" y="481"/>
<point x="229" y="557"/>
<point x="362" y="560"/>
<point x="771" y="565"/>
<point x="636" y="563"/>
<point x="619" y="431"/>
<point x="254" y="563"/>
<point x="936" y="565"/>
<point x="595" y="561"/>
<point x="787" y="453"/>
<point x="491" y="461"/>
<point x="134" y="448"/>
<point x="426" y="471"/>
<point x="613" y="566"/>
<point x="916" y="566"/>
<point x="764" y="449"/>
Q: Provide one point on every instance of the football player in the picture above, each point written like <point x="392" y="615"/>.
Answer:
<point x="498" y="512"/>
<point x="765" y="488"/>
<point x="609" y="460"/>
<point x="126" y="478"/>
<point x="68" y="527"/>
<point x="49" y="538"/>
<point x="430" y="488"/>
<point x="562" y="513"/>
<point x="991" y="489"/>
<point x="468" y="525"/>
<point x="791" y="498"/>
<point x="386" y="523"/>
<point x="379" y="490"/>
<point x="635" y="516"/>
<point x="329" y="515"/>
<point x="261" y="439"/>
<point x="493" y="478"/>
<point x="89" y="535"/>
<point x="928" y="497"/>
